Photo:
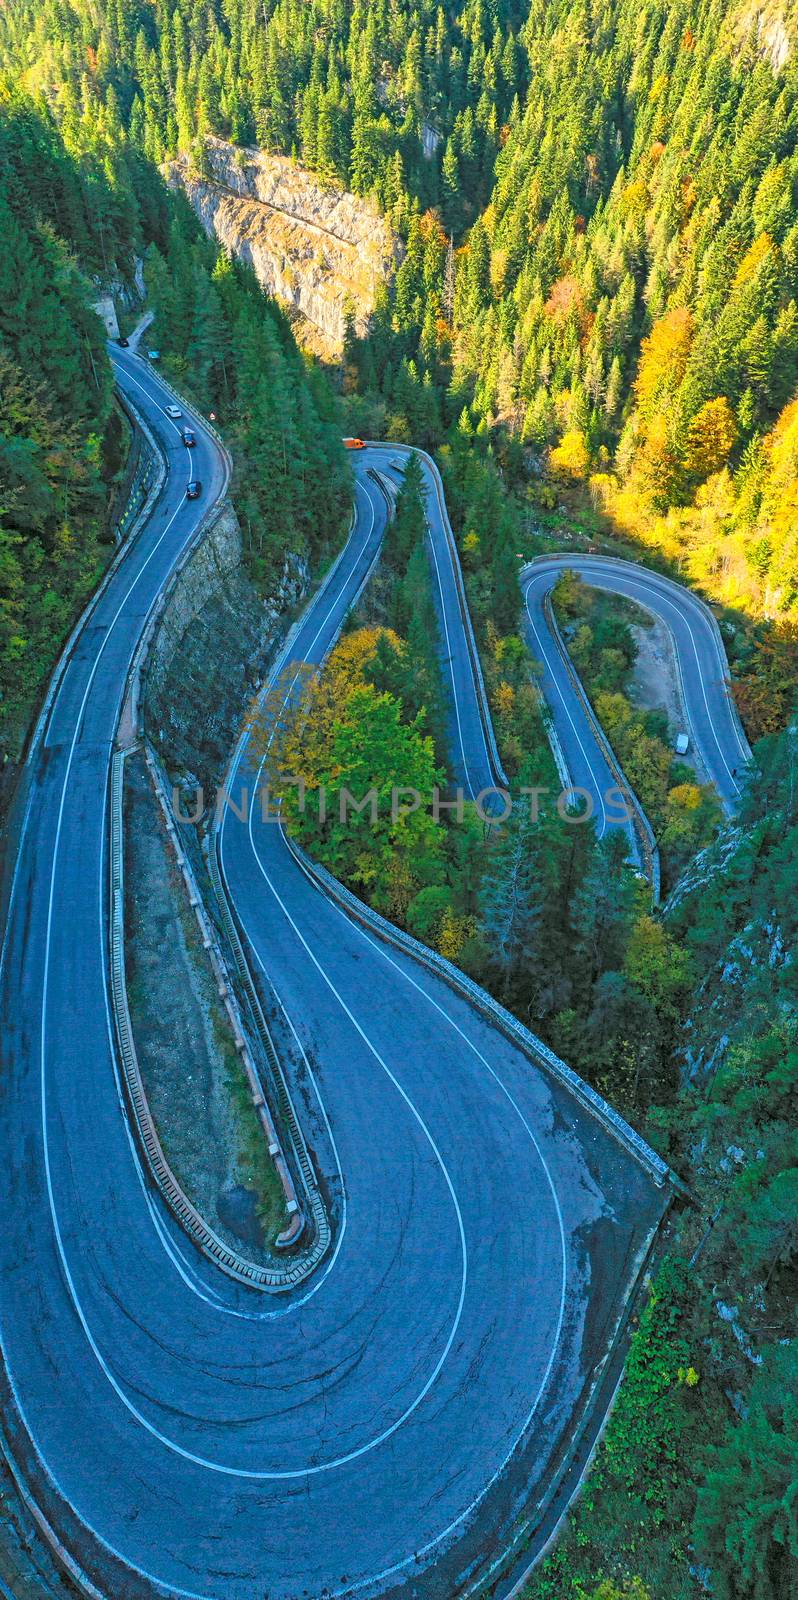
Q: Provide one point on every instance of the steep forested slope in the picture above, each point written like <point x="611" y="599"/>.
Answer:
<point x="57" y="444"/>
<point x="621" y="319"/>
<point x="599" y="203"/>
<point x="82" y="200"/>
<point x="694" y="1487"/>
<point x="634" y="297"/>
<point x="364" y="92"/>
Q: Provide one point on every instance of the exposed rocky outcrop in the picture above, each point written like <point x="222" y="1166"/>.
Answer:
<point x="116" y="293"/>
<point x="312" y="246"/>
<point x="774" y="23"/>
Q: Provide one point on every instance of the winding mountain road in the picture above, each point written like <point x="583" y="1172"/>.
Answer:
<point x="380" y="1430"/>
<point x="712" y="719"/>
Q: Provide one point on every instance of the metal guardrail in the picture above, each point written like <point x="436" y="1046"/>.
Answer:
<point x="148" y="469"/>
<point x="278" y="1278"/>
<point x="178" y="1202"/>
<point x="290" y="1236"/>
<point x="191" y="405"/>
<point x="315" y="1206"/>
<point x="532" y="1047"/>
<point x="663" y="582"/>
<point x="275" y="1279"/>
<point x="483" y="703"/>
<point x="538" y="1052"/>
<point x="680" y="592"/>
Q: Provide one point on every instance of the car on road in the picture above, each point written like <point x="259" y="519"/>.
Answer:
<point x="123" y="341"/>
<point x="189" y="438"/>
<point x="194" y="489"/>
<point x="174" y="412"/>
<point x="682" y="744"/>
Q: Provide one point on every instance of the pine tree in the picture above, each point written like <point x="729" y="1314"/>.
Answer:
<point x="747" y="1528"/>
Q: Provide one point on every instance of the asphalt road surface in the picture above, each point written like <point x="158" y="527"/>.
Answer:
<point x="713" y="724"/>
<point x="378" y="1431"/>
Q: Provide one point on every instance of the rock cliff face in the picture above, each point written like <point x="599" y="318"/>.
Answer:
<point x="313" y="247"/>
<point x="210" y="652"/>
<point x="773" y="25"/>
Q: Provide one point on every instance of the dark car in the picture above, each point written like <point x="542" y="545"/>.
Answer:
<point x="123" y="341"/>
<point x="194" y="489"/>
<point x="189" y="438"/>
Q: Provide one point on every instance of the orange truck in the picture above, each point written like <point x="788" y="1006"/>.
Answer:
<point x="355" y="444"/>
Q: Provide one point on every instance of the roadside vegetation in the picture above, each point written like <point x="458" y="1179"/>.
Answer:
<point x="595" y="328"/>
<point x="60" y="441"/>
<point x="695" y="1473"/>
<point x="230" y="348"/>
<point x="553" y="923"/>
<point x="695" y="1484"/>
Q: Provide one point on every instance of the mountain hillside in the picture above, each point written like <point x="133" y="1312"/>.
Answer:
<point x="79" y="205"/>
<point x="593" y="322"/>
<point x="632" y="302"/>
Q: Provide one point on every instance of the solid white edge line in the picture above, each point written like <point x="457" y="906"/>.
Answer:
<point x="544" y="658"/>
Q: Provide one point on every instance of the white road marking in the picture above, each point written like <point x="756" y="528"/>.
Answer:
<point x="637" y="588"/>
<point x="256" y="1474"/>
<point x="684" y="603"/>
<point x="450" y="659"/>
<point x="588" y="762"/>
<point x="354" y="1588"/>
<point x="425" y="1549"/>
<point x="87" y="1331"/>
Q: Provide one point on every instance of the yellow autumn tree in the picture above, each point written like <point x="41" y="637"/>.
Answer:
<point x="311" y="715"/>
<point x="777" y="525"/>
<point x="663" y="359"/>
<point x="710" y="439"/>
<point x="658" y="965"/>
<point x="455" y="932"/>
<point x="570" y="457"/>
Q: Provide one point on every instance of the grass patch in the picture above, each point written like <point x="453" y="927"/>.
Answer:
<point x="255" y="1166"/>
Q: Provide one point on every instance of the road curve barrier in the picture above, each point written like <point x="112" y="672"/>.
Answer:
<point x="314" y="1204"/>
<point x="290" y="1235"/>
<point x="144" y="471"/>
<point x="279" y="1278"/>
<point x="677" y="593"/>
<point x="283" y="1276"/>
<point x="532" y="1047"/>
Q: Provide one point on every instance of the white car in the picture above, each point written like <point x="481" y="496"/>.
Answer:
<point x="173" y="411"/>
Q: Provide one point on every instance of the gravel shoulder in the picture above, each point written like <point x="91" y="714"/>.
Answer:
<point x="656" y="686"/>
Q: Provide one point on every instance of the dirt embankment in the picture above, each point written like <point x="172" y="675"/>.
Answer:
<point x="656" y="684"/>
<point x="210" y="653"/>
<point x="194" y="1079"/>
